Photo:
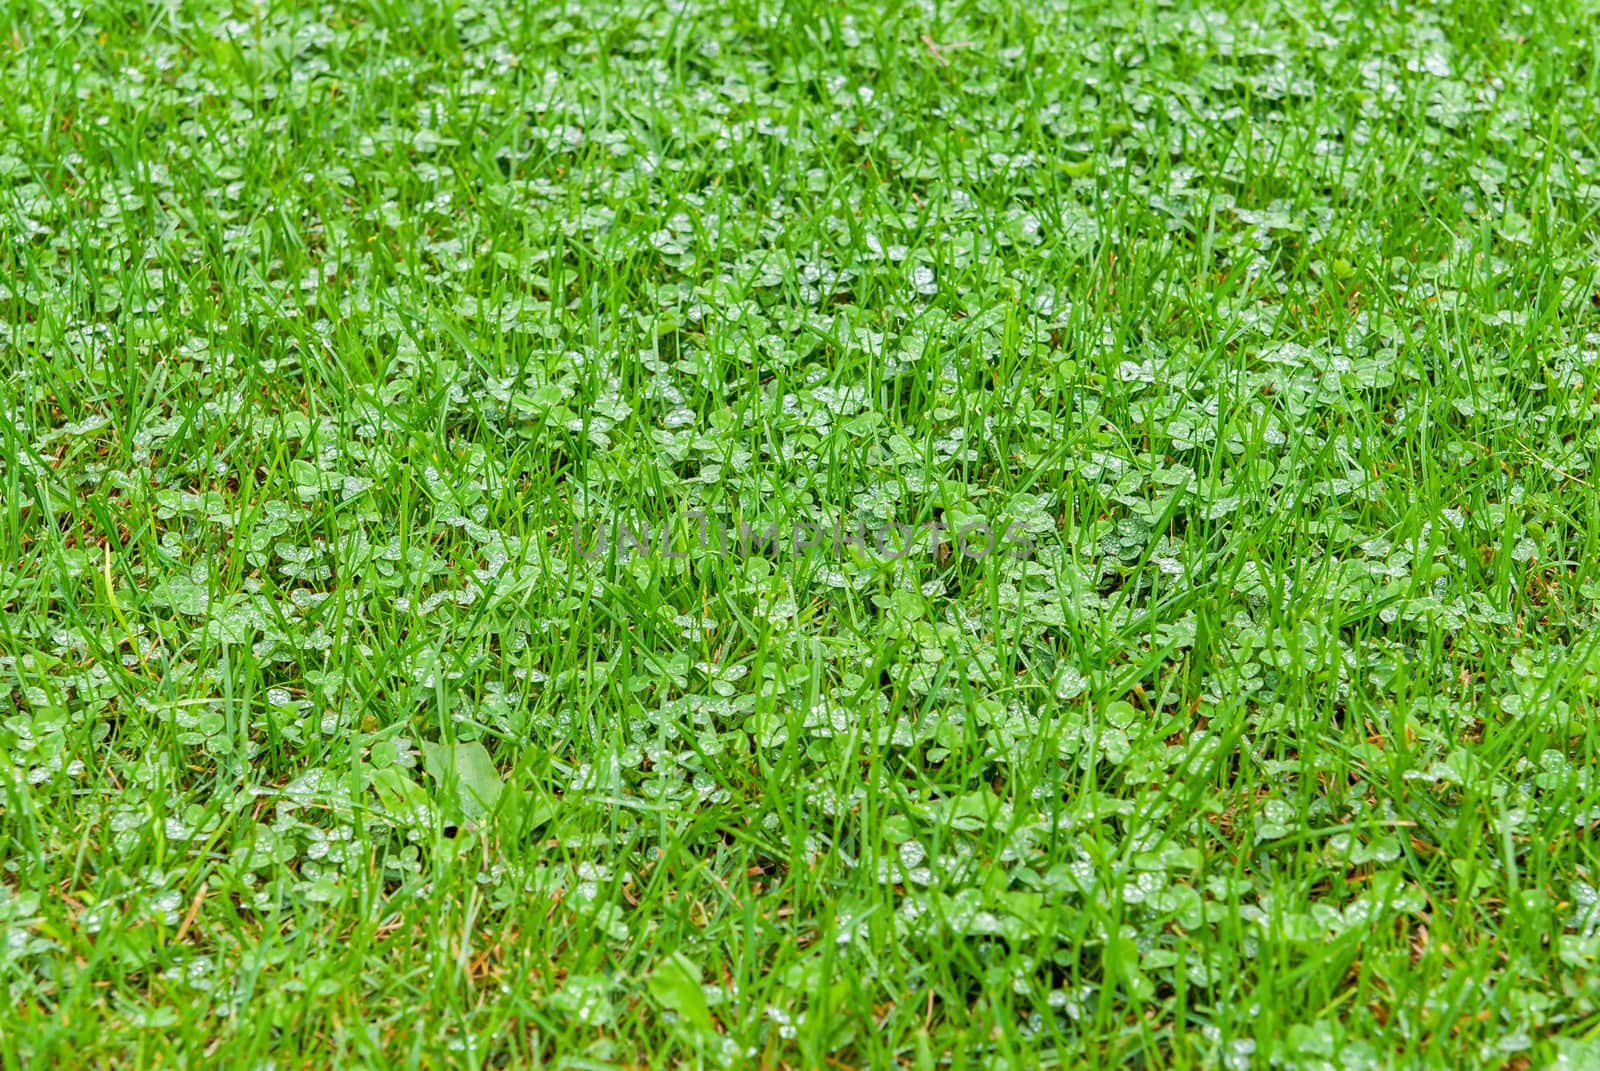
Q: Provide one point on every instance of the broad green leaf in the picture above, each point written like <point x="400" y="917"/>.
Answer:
<point x="467" y="773"/>
<point x="675" y="985"/>
<point x="400" y="796"/>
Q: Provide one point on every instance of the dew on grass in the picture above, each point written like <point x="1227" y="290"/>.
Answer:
<point x="1158" y="313"/>
<point x="911" y="853"/>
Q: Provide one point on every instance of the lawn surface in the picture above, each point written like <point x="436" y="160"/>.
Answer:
<point x="348" y="355"/>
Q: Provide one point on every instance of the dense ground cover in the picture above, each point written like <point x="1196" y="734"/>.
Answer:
<point x="335" y="341"/>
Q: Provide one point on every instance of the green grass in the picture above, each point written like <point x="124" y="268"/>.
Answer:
<point x="1273" y="324"/>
